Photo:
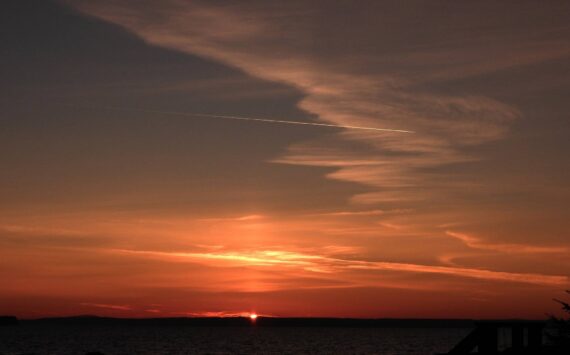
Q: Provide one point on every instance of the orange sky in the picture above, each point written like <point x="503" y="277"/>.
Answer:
<point x="112" y="211"/>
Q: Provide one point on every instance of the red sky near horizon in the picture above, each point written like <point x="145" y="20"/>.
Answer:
<point x="112" y="205"/>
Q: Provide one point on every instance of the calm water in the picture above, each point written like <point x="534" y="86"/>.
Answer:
<point x="58" y="339"/>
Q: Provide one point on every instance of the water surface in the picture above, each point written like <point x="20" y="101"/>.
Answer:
<point x="120" y="339"/>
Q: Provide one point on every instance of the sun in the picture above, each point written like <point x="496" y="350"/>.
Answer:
<point x="253" y="317"/>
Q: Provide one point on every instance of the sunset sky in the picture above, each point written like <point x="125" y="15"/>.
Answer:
<point x="116" y="200"/>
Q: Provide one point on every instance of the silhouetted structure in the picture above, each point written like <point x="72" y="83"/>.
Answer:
<point x="559" y="333"/>
<point x="525" y="338"/>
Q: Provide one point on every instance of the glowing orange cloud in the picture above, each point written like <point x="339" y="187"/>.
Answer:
<point x="324" y="264"/>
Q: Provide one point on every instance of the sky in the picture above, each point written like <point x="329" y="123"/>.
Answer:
<point x="121" y="193"/>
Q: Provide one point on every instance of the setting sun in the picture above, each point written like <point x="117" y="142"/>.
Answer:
<point x="253" y="316"/>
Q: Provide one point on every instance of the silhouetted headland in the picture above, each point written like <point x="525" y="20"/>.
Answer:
<point x="8" y="320"/>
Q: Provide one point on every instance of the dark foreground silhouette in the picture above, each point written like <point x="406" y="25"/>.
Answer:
<point x="523" y="337"/>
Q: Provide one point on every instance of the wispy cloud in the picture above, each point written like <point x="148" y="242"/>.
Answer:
<point x="114" y="307"/>
<point x="353" y="213"/>
<point x="250" y="217"/>
<point x="477" y="243"/>
<point x="328" y="264"/>
<point x="221" y="314"/>
<point x="370" y="87"/>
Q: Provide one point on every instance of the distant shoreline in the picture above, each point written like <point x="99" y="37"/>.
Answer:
<point x="259" y="322"/>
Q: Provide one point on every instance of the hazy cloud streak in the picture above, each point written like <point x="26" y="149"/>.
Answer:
<point x="477" y="243"/>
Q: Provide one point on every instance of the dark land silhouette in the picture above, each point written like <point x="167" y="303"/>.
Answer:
<point x="8" y="320"/>
<point x="259" y="322"/>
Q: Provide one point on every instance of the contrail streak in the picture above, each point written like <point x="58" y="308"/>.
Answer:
<point x="241" y="118"/>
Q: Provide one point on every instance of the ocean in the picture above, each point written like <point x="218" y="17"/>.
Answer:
<point x="57" y="339"/>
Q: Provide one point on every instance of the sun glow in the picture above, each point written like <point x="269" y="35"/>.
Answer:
<point x="253" y="317"/>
